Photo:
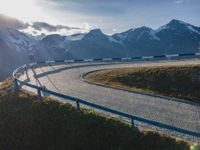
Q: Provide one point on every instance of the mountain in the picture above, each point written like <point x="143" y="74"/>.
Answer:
<point x="178" y="37"/>
<point x="174" y="37"/>
<point x="11" y="55"/>
<point x="15" y="48"/>
<point x="57" y="44"/>
<point x="95" y="44"/>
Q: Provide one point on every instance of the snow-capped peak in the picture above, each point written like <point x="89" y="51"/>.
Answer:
<point x="187" y="25"/>
<point x="171" y="25"/>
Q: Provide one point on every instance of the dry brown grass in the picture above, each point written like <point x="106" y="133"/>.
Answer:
<point x="180" y="82"/>
<point x="28" y="124"/>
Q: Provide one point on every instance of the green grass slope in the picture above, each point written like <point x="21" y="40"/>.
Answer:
<point x="27" y="124"/>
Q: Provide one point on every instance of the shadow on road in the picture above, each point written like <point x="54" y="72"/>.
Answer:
<point x="71" y="67"/>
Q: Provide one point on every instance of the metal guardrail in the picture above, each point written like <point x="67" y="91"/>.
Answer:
<point x="167" y="56"/>
<point x="78" y="101"/>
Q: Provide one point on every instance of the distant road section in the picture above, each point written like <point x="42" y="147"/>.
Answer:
<point x="66" y="78"/>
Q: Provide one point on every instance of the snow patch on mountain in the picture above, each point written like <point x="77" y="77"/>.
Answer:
<point x="75" y="37"/>
<point x="154" y="32"/>
<point x="153" y="35"/>
<point x="122" y="37"/>
<point x="111" y="39"/>
<point x="192" y="29"/>
<point x="17" y="40"/>
<point x="140" y="35"/>
<point x="161" y="29"/>
<point x="189" y="26"/>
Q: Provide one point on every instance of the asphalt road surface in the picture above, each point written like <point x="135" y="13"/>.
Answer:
<point x="66" y="79"/>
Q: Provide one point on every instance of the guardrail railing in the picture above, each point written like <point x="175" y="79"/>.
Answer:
<point x="78" y="101"/>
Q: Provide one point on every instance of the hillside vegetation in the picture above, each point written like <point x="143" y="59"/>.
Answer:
<point x="179" y="82"/>
<point x="27" y="124"/>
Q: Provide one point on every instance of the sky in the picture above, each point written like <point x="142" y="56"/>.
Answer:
<point x="110" y="16"/>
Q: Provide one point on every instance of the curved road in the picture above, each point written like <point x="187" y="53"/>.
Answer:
<point x="66" y="78"/>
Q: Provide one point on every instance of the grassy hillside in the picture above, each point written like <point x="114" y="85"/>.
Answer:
<point x="180" y="82"/>
<point x="26" y="124"/>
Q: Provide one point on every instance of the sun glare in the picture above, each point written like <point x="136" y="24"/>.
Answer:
<point x="25" y="10"/>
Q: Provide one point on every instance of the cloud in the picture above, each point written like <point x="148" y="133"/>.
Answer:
<point x="51" y="28"/>
<point x="89" y="7"/>
<point x="41" y="29"/>
<point x="9" y="22"/>
<point x="86" y="26"/>
<point x="114" y="29"/>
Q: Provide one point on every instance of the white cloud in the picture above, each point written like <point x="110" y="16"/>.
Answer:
<point x="42" y="28"/>
<point x="114" y="30"/>
<point x="63" y="31"/>
<point x="86" y="26"/>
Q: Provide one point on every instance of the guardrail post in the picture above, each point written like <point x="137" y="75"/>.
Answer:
<point x="132" y="123"/>
<point x="16" y="87"/>
<point x="39" y="94"/>
<point x="26" y="71"/>
<point x="77" y="106"/>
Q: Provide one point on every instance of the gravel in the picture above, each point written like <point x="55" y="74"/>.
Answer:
<point x="66" y="79"/>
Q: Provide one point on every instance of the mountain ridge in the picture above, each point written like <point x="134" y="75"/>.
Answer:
<point x="174" y="37"/>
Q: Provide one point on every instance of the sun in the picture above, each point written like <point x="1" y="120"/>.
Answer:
<point x="26" y="10"/>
